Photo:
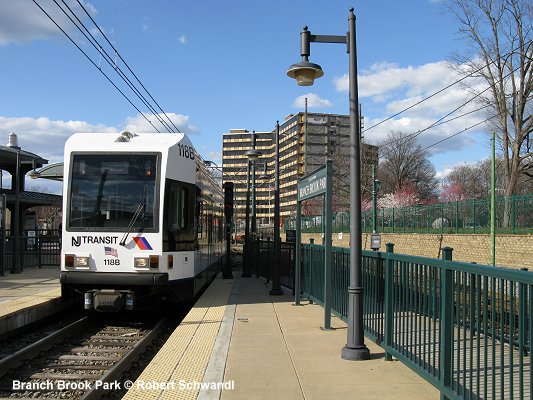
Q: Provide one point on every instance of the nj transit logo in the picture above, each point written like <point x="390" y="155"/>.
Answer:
<point x="142" y="243"/>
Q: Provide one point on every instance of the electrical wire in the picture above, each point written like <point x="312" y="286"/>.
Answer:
<point x="107" y="57"/>
<point x="96" y="66"/>
<point x="125" y="63"/>
<point x="440" y="120"/>
<point x="443" y="89"/>
<point x="457" y="133"/>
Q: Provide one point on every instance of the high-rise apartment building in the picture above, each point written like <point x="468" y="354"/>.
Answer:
<point x="305" y="145"/>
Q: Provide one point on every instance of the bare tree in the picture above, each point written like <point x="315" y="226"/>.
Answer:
<point x="500" y="31"/>
<point x="403" y="164"/>
<point x="474" y="180"/>
<point x="341" y="177"/>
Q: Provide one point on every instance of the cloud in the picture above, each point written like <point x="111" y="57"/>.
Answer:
<point x="140" y="124"/>
<point x="212" y="155"/>
<point x="382" y="78"/>
<point x="416" y="125"/>
<point x="440" y="175"/>
<point x="182" y="39"/>
<point x="313" y="100"/>
<point x="23" y="21"/>
<point x="387" y="89"/>
<point x="448" y="168"/>
<point x="45" y="137"/>
<point x="144" y="24"/>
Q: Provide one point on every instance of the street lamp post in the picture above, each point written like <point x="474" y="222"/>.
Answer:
<point x="252" y="155"/>
<point x="245" y="269"/>
<point x="276" y="283"/>
<point x="253" y="228"/>
<point x="228" y="214"/>
<point x="305" y="73"/>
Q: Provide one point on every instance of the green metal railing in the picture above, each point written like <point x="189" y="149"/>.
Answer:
<point x="262" y="257"/>
<point x="466" y="328"/>
<point x="513" y="215"/>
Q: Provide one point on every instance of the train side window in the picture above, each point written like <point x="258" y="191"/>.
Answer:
<point x="179" y="207"/>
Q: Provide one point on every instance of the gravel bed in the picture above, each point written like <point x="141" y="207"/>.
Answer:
<point x="12" y="342"/>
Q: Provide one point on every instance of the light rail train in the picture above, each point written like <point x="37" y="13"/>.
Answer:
<point x="142" y="218"/>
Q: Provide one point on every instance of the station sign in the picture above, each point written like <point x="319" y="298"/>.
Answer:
<point x="313" y="184"/>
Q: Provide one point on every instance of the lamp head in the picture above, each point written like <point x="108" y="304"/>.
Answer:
<point x="305" y="73"/>
<point x="253" y="154"/>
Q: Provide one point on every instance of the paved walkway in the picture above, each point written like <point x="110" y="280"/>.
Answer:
<point x="262" y="347"/>
<point x="29" y="282"/>
<point x="278" y="351"/>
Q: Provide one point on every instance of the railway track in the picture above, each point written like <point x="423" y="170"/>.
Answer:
<point x="83" y="360"/>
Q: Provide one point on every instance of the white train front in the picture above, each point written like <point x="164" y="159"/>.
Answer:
<point x="142" y="217"/>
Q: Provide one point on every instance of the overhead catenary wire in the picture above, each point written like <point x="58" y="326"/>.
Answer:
<point x="87" y="34"/>
<point x="440" y="120"/>
<point x="111" y="60"/>
<point x="458" y="133"/>
<point x="443" y="89"/>
<point x="126" y="64"/>
<point x="95" y="65"/>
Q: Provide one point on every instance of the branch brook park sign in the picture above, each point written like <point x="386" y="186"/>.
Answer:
<point x="316" y="183"/>
<point x="313" y="184"/>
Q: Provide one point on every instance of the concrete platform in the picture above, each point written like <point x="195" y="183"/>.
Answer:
<point x="29" y="282"/>
<point x="240" y="343"/>
<point x="29" y="296"/>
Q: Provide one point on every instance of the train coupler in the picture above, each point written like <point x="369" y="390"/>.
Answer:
<point x="109" y="300"/>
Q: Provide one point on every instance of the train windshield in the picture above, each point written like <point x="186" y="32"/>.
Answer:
<point x="110" y="192"/>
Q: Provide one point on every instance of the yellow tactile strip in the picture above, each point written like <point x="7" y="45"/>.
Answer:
<point x="12" y="306"/>
<point x="183" y="359"/>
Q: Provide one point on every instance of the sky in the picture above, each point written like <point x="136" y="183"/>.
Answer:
<point x="213" y="66"/>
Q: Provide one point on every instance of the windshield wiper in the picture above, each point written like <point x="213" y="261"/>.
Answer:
<point x="141" y="209"/>
<point x="98" y="205"/>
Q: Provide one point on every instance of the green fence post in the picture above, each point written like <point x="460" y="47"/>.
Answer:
<point x="298" y="255"/>
<point x="389" y="310"/>
<point x="456" y="217"/>
<point x="326" y="224"/>
<point x="446" y="313"/>
<point x="474" y="215"/>
<point x="513" y="214"/>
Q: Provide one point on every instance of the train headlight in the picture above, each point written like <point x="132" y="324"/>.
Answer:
<point x="81" y="261"/>
<point x="141" y="262"/>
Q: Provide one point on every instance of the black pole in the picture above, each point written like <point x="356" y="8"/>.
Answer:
<point x="228" y="213"/>
<point x="355" y="348"/>
<point x="254" y="216"/>
<point x="246" y="255"/>
<point x="16" y="269"/>
<point x="276" y="283"/>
